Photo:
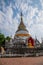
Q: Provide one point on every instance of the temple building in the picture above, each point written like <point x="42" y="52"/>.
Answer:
<point x="22" y="40"/>
<point x="22" y="36"/>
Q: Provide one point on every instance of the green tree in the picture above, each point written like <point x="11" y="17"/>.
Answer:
<point x="2" y="39"/>
<point x="8" y="38"/>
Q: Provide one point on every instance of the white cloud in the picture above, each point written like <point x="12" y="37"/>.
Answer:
<point x="40" y="17"/>
<point x="10" y="24"/>
<point x="7" y="23"/>
<point x="29" y="16"/>
<point x="41" y="3"/>
<point x="24" y="7"/>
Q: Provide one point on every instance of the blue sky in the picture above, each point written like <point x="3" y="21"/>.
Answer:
<point x="32" y="16"/>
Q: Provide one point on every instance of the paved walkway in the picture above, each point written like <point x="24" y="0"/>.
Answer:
<point x="22" y="61"/>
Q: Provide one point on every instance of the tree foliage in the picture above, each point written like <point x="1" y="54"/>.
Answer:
<point x="8" y="38"/>
<point x="2" y="39"/>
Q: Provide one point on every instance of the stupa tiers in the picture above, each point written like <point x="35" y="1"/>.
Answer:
<point x="22" y="36"/>
<point x="22" y="31"/>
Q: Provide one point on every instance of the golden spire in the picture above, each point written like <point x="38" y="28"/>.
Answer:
<point x="21" y="25"/>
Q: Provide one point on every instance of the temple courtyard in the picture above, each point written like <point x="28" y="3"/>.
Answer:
<point x="22" y="61"/>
